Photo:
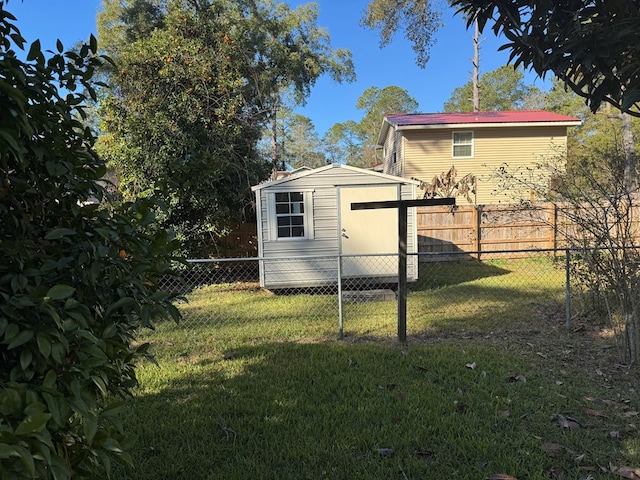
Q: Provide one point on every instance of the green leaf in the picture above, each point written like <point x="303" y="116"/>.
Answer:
<point x="10" y="402"/>
<point x="19" y="282"/>
<point x="11" y="141"/>
<point x="60" y="292"/>
<point x="58" y="352"/>
<point x="124" y="302"/>
<point x="50" y="379"/>
<point x="27" y="460"/>
<point x="59" y="468"/>
<point x="25" y="359"/>
<point x="112" y="445"/>
<point x="8" y="451"/>
<point x="58" y="233"/>
<point x="93" y="44"/>
<point x="53" y="404"/>
<point x="33" y="424"/>
<point x="35" y="51"/>
<point x="59" y="46"/>
<point x="20" y="339"/>
<point x="90" y="427"/>
<point x="44" y="345"/>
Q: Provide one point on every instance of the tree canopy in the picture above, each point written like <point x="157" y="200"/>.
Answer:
<point x="420" y="20"/>
<point x="355" y="142"/>
<point x="193" y="87"/>
<point x="591" y="46"/>
<point x="500" y="89"/>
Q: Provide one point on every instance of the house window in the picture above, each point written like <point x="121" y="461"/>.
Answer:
<point x="292" y="215"/>
<point x="462" y="144"/>
<point x="394" y="155"/>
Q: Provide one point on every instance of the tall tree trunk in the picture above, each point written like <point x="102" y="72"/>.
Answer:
<point x="274" y="138"/>
<point x="476" y="67"/>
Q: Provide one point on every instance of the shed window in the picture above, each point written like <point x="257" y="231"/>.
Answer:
<point x="291" y="217"/>
<point x="462" y="144"/>
<point x="290" y="214"/>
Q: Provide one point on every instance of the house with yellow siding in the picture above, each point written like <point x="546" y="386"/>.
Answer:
<point x="421" y="146"/>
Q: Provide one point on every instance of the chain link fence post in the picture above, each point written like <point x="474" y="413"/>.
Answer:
<point x="340" y="317"/>
<point x="567" y="260"/>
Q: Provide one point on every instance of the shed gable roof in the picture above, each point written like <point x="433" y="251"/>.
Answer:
<point x="418" y="121"/>
<point x="315" y="171"/>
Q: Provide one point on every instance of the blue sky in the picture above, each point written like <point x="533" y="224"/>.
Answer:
<point x="329" y="103"/>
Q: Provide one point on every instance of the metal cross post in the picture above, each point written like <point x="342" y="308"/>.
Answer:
<point x="402" y="206"/>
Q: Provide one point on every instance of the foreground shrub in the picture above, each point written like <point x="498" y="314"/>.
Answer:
<point x="76" y="279"/>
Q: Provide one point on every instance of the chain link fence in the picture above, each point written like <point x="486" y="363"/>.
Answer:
<point x="350" y="287"/>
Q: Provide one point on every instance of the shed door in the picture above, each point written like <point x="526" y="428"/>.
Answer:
<point x="369" y="231"/>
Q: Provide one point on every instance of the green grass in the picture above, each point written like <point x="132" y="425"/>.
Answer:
<point x="257" y="395"/>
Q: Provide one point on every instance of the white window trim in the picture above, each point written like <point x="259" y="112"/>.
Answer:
<point x="308" y="215"/>
<point x="453" y="144"/>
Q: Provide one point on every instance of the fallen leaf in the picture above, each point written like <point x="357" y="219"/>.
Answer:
<point x="630" y="414"/>
<point x="594" y="413"/>
<point x="567" y="422"/>
<point x="504" y="413"/>
<point x="516" y="377"/>
<point x="577" y="460"/>
<point x="471" y="366"/>
<point x="604" y="401"/>
<point x="627" y="472"/>
<point x="501" y="476"/>
<point x="556" y="473"/>
<point x="615" y="435"/>
<point x="424" y="453"/>
<point x="553" y="449"/>
<point x="386" y="452"/>
<point x="460" y="406"/>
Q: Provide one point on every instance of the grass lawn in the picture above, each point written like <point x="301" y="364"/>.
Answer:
<point x="490" y="383"/>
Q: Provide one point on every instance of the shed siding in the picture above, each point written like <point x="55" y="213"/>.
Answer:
<point x="429" y="152"/>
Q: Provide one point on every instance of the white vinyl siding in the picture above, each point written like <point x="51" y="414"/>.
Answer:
<point x="462" y="145"/>
<point x="392" y="154"/>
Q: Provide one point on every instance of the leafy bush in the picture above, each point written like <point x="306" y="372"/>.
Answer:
<point x="76" y="278"/>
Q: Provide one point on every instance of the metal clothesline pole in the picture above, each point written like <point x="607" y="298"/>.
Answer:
<point x="402" y="206"/>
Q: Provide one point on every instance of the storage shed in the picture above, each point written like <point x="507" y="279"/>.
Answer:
<point x="307" y="231"/>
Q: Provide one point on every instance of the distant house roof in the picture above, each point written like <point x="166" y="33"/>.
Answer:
<point x="420" y="121"/>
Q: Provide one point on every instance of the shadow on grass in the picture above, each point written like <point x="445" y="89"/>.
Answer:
<point x="312" y="411"/>
<point x="483" y="308"/>
<point x="441" y="274"/>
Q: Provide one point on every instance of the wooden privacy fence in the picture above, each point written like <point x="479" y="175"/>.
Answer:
<point x="475" y="229"/>
<point x="486" y="228"/>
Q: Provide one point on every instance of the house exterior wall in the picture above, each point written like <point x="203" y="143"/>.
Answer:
<point x="314" y="269"/>
<point x="393" y="153"/>
<point x="428" y="152"/>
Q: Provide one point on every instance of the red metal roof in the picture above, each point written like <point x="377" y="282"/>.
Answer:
<point x="525" y="116"/>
